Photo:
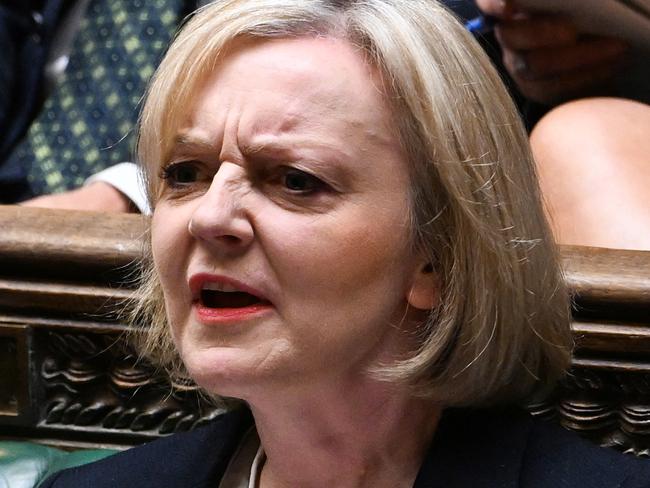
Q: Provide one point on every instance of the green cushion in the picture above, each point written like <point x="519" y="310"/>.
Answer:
<point x="25" y="464"/>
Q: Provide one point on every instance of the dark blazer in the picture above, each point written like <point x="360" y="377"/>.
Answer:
<point x="471" y="449"/>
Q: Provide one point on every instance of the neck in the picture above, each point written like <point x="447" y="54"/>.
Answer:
<point x="355" y="435"/>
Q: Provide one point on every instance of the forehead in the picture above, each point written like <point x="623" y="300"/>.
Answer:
<point x="283" y="84"/>
<point x="329" y="67"/>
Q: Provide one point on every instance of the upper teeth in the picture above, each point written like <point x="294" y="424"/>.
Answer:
<point x="219" y="287"/>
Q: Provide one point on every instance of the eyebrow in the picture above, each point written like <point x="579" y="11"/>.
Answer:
<point x="194" y="143"/>
<point x="280" y="150"/>
<point x="259" y="151"/>
<point x="254" y="149"/>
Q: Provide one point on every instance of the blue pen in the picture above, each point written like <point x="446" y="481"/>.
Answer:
<point x="481" y="24"/>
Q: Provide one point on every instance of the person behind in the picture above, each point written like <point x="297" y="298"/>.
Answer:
<point x="94" y="60"/>
<point x="347" y="237"/>
<point x="591" y="152"/>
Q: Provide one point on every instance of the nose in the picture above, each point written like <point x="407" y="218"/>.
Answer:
<point x="220" y="219"/>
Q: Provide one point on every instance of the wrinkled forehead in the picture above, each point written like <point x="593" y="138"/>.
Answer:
<point x="303" y="64"/>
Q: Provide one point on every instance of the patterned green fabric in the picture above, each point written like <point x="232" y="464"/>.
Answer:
<point x="88" y="123"/>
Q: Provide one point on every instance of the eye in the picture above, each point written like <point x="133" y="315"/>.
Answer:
<point x="298" y="181"/>
<point x="181" y="174"/>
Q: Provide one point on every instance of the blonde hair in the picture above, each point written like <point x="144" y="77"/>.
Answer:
<point x="501" y="330"/>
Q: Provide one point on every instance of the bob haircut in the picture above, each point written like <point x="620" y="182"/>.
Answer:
<point x="501" y="331"/>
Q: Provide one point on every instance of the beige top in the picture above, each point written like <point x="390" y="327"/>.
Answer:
<point x="245" y="467"/>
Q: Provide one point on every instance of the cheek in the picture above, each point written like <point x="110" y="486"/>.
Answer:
<point x="366" y="247"/>
<point x="346" y="254"/>
<point x="163" y="243"/>
<point x="170" y="249"/>
<point x="357" y="257"/>
<point x="345" y="281"/>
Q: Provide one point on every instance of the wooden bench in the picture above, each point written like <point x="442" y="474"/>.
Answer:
<point x="69" y="378"/>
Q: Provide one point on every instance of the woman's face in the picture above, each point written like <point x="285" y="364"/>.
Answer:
<point x="281" y="235"/>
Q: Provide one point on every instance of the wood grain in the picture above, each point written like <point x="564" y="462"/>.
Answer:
<point x="90" y="239"/>
<point x="608" y="276"/>
<point x="70" y="237"/>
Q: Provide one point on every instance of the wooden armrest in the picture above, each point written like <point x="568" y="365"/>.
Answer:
<point x="608" y="276"/>
<point x="71" y="377"/>
<point x="65" y="238"/>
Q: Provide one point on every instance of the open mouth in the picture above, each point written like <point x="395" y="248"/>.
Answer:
<point x="224" y="300"/>
<point x="229" y="299"/>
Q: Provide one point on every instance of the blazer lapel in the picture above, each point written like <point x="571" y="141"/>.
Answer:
<point x="201" y="456"/>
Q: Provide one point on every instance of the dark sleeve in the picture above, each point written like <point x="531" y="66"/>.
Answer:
<point x="197" y="459"/>
<point x="7" y="68"/>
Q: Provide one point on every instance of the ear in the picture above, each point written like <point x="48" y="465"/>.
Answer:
<point x="424" y="292"/>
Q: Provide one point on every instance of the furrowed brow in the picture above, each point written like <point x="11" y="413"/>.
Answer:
<point x="187" y="143"/>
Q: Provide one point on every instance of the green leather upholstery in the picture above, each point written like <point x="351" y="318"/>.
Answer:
<point x="25" y="464"/>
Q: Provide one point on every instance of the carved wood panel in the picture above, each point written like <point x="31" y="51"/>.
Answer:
<point x="609" y="407"/>
<point x="94" y="383"/>
<point x="14" y="372"/>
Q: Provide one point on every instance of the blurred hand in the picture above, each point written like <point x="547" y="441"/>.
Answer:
<point x="98" y="197"/>
<point x="547" y="58"/>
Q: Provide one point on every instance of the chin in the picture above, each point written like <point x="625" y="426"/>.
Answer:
<point x="226" y="371"/>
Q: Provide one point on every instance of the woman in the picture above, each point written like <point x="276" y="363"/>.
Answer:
<point x="347" y="236"/>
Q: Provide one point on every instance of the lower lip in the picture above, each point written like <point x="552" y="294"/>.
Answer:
<point x="223" y="316"/>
